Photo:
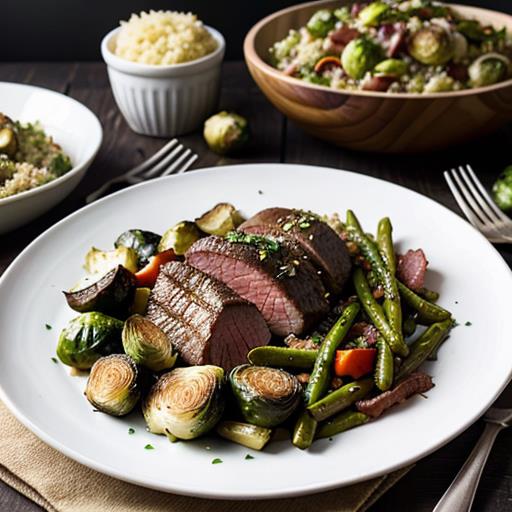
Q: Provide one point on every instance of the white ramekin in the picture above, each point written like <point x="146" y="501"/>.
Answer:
<point x="168" y="100"/>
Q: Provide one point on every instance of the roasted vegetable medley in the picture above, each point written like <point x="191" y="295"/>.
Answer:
<point x="359" y="359"/>
<point x="411" y="46"/>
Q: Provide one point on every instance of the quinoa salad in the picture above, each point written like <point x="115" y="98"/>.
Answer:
<point x="163" y="38"/>
<point x="415" y="46"/>
<point x="28" y="157"/>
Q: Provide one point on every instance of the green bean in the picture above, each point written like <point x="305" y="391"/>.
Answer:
<point x="429" y="295"/>
<point x="427" y="343"/>
<point x="409" y="326"/>
<point x="385" y="244"/>
<point x="340" y="399"/>
<point x="304" y="431"/>
<point x="428" y="312"/>
<point x="340" y="423"/>
<point x="374" y="310"/>
<point x="283" y="357"/>
<point x="384" y="366"/>
<point x="321" y="374"/>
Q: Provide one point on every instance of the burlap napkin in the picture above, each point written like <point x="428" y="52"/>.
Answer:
<point x="57" y="483"/>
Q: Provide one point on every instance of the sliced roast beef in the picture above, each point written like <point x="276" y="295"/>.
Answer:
<point x="205" y="320"/>
<point x="277" y="278"/>
<point x="320" y="242"/>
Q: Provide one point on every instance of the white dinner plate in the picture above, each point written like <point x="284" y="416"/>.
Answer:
<point x="474" y="364"/>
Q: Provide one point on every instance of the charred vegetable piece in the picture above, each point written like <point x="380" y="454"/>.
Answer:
<point x="186" y="402"/>
<point x="113" y="386"/>
<point x="282" y="357"/>
<point x="144" y="243"/>
<point x="100" y="262"/>
<point x="343" y="421"/>
<point x="502" y="190"/>
<point x="180" y="237"/>
<point x="321" y="23"/>
<point x="112" y="294"/>
<point x="8" y="142"/>
<point x="220" y="220"/>
<point x="266" y="396"/>
<point x="354" y="362"/>
<point x="140" y="301"/>
<point x="146" y="276"/>
<point x="432" y="45"/>
<point x="89" y="337"/>
<point x="489" y="69"/>
<point x="359" y="56"/>
<point x="245" y="434"/>
<point x="147" y="344"/>
<point x="226" y="132"/>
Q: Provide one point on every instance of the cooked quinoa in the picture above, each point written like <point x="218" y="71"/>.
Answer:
<point x="28" y="157"/>
<point x="163" y="37"/>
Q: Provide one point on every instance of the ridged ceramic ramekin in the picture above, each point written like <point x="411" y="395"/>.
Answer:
<point x="165" y="100"/>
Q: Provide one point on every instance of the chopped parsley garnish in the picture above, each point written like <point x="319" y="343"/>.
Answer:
<point x="260" y="192"/>
<point x="149" y="447"/>
<point x="249" y="457"/>
<point x="48" y="327"/>
<point x="131" y="431"/>
<point x="217" y="461"/>
<point x="468" y="323"/>
<point x="264" y="245"/>
<point x="54" y="359"/>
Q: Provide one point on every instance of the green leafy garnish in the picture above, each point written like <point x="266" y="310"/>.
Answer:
<point x="264" y="245"/>
<point x="249" y="457"/>
<point x="149" y="447"/>
<point x="468" y="323"/>
<point x="131" y="431"/>
<point x="54" y="359"/>
<point x="217" y="461"/>
<point x="48" y="327"/>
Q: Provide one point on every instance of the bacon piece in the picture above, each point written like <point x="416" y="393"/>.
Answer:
<point x="411" y="269"/>
<point x="343" y="35"/>
<point x="415" y="383"/>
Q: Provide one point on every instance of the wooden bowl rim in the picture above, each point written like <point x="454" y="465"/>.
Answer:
<point x="252" y="57"/>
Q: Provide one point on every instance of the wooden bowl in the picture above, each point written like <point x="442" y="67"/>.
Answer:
<point x="376" y="121"/>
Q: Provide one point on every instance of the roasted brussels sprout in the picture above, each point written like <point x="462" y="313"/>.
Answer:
<point x="113" y="386"/>
<point x="488" y="69"/>
<point x="502" y="190"/>
<point x="186" y="402"/>
<point x="220" y="220"/>
<point x="440" y="83"/>
<point x="144" y="243"/>
<point x="8" y="142"/>
<point x="245" y="434"/>
<point x="147" y="344"/>
<point x="180" y="237"/>
<point x="391" y="67"/>
<point x="432" y="45"/>
<point x="89" y="337"/>
<point x="112" y="294"/>
<point x="226" y="132"/>
<point x="359" y="56"/>
<point x="321" y="23"/>
<point x="100" y="262"/>
<point x="372" y="13"/>
<point x="266" y="396"/>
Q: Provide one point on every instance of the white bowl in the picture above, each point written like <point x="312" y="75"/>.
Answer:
<point x="72" y="125"/>
<point x="165" y="100"/>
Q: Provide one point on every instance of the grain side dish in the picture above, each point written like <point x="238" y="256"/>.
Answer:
<point x="28" y="157"/>
<point x="163" y="38"/>
<point x="416" y="46"/>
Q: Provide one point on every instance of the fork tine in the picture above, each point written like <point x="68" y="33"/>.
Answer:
<point x="176" y="164"/>
<point x="150" y="161"/>
<point x="485" y="195"/>
<point x="486" y="210"/>
<point x="164" y="163"/>
<point x="187" y="164"/>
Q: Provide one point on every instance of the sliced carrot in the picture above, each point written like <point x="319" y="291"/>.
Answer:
<point x="326" y="63"/>
<point x="354" y="362"/>
<point x="147" y="275"/>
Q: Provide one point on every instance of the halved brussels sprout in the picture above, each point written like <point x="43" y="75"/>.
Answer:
<point x="245" y="434"/>
<point x="113" y="386"/>
<point x="266" y="396"/>
<point x="147" y="344"/>
<point x="220" y="220"/>
<point x="100" y="262"/>
<point x="112" y="294"/>
<point x="488" y="69"/>
<point x="432" y="45"/>
<point x="321" y="23"/>
<point x="225" y="132"/>
<point x="8" y="142"/>
<point x="89" y="337"/>
<point x="391" y="67"/>
<point x="359" y="56"/>
<point x="502" y="190"/>
<point x="371" y="14"/>
<point x="186" y="402"/>
<point x="180" y="237"/>
<point x="144" y="243"/>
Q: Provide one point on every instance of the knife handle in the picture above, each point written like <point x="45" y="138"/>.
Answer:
<point x="461" y="493"/>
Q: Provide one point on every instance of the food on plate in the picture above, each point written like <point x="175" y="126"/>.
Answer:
<point x="226" y="132"/>
<point x="411" y="46"/>
<point x="296" y="322"/>
<point x="163" y="37"/>
<point x="186" y="402"/>
<point x="502" y="190"/>
<point x="114" y="385"/>
<point x="28" y="157"/>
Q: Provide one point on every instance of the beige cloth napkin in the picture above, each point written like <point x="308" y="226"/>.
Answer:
<point x="59" y="484"/>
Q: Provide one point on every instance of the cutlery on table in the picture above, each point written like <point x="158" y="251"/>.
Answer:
<point x="173" y="158"/>
<point x="477" y="205"/>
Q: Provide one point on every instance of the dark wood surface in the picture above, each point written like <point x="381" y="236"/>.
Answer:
<point x="277" y="140"/>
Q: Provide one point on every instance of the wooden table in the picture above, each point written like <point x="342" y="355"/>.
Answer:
<point x="277" y="140"/>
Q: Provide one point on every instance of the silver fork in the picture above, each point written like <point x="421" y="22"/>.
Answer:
<point x="173" y="158"/>
<point x="478" y="206"/>
<point x="461" y="493"/>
